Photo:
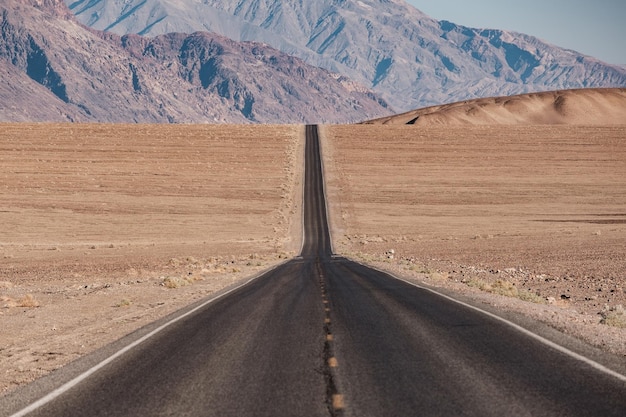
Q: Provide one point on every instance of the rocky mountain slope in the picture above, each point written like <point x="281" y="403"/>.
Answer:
<point x="411" y="59"/>
<point x="55" y="69"/>
<point x="590" y="107"/>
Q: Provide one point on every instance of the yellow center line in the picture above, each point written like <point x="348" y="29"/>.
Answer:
<point x="338" y="402"/>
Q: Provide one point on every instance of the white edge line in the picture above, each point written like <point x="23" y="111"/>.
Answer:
<point x="517" y="327"/>
<point x="80" y="378"/>
<point x="323" y="167"/>
<point x="303" y="189"/>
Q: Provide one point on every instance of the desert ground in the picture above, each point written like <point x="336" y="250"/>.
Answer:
<point x="526" y="218"/>
<point x="107" y="228"/>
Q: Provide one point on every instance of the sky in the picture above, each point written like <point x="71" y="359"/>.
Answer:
<point x="592" y="27"/>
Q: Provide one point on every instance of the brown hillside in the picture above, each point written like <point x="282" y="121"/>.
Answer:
<point x="568" y="107"/>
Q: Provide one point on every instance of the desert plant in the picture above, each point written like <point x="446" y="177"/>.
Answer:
<point x="28" y="301"/>
<point x="124" y="302"/>
<point x="505" y="288"/>
<point x="177" y="282"/>
<point x="614" y="316"/>
<point x="526" y="295"/>
<point x="173" y="282"/>
<point x="480" y="284"/>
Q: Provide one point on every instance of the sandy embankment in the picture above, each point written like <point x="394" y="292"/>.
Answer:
<point x="581" y="107"/>
<point x="108" y="228"/>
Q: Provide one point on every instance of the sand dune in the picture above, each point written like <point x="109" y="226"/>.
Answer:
<point x="568" y="107"/>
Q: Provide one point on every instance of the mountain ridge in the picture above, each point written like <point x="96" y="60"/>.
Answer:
<point x="389" y="46"/>
<point x="58" y="70"/>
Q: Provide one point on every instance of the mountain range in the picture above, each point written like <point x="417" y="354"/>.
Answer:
<point x="408" y="58"/>
<point x="261" y="61"/>
<point x="55" y="69"/>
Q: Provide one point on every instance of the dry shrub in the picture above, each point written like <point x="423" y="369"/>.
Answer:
<point x="434" y="275"/>
<point x="174" y="262"/>
<point x="526" y="295"/>
<point x="505" y="288"/>
<point x="173" y="282"/>
<point x="28" y="301"/>
<point x="614" y="316"/>
<point x="124" y="302"/>
<point x="480" y="284"/>
<point x="502" y="287"/>
<point x="177" y="282"/>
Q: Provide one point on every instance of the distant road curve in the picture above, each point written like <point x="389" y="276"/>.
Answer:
<point x="321" y="335"/>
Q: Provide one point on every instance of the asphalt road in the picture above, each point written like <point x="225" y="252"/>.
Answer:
<point x="321" y="335"/>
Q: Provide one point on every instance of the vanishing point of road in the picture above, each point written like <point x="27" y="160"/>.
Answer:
<point x="321" y="335"/>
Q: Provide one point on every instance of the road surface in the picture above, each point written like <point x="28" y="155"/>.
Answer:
<point x="321" y="335"/>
